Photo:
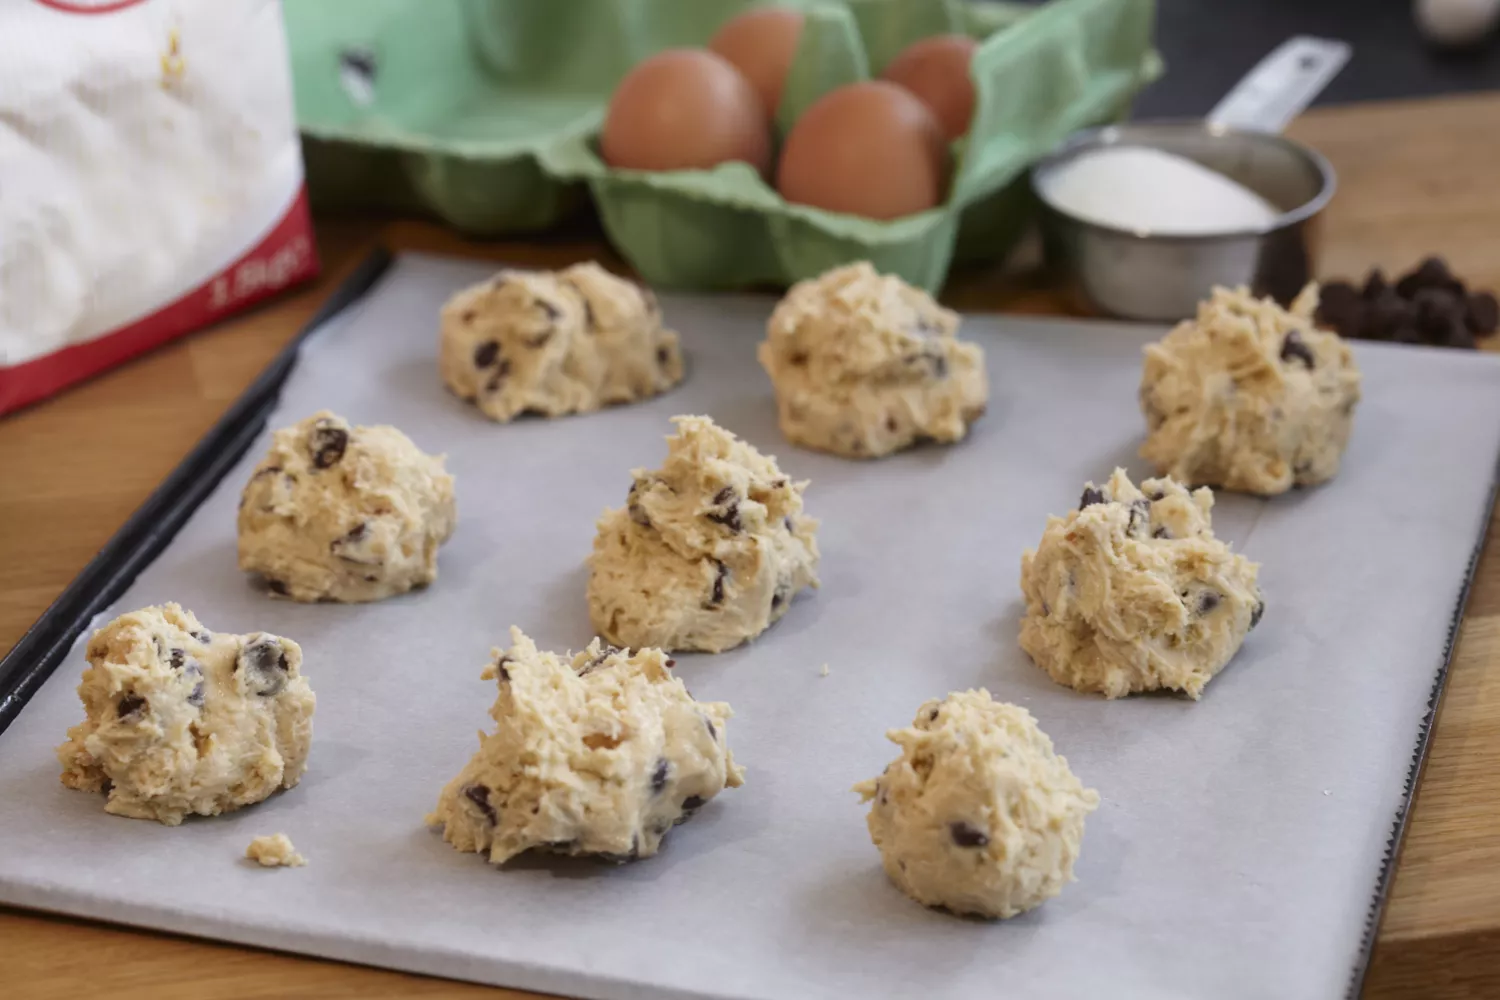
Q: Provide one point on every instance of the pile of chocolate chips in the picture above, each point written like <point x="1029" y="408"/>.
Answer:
<point x="1425" y="306"/>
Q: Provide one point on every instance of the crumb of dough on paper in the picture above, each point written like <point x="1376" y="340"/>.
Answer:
<point x="274" y="851"/>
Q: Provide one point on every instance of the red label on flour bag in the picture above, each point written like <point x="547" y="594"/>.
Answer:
<point x="150" y="179"/>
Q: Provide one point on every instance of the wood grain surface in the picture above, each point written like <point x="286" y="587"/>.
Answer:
<point x="1415" y="178"/>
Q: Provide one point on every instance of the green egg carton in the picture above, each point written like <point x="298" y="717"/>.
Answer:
<point x="486" y="113"/>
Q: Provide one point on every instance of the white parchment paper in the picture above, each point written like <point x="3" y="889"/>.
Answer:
<point x="1236" y="849"/>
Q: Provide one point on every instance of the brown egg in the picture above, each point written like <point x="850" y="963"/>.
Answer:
<point x="685" y="109"/>
<point x="937" y="71"/>
<point x="761" y="43"/>
<point x="868" y="149"/>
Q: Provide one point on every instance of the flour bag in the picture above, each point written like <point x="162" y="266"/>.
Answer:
<point x="150" y="179"/>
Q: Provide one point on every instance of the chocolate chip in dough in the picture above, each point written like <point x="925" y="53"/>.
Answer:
<point x="1090" y="497"/>
<point x="967" y="835"/>
<point x="177" y="659"/>
<point x="1294" y="347"/>
<point x="552" y="312"/>
<point x="716" y="598"/>
<point x="265" y="665"/>
<point x="480" y="796"/>
<point x="203" y="637"/>
<point x="1140" y="517"/>
<point x="692" y="804"/>
<point x="659" y="776"/>
<point x="497" y="379"/>
<point x="1207" y="602"/>
<point x="605" y="652"/>
<point x="326" y="443"/>
<point x="486" y="353"/>
<point x="729" y="517"/>
<point x="500" y="670"/>
<point x="275" y="586"/>
<point x="1161" y="532"/>
<point x="1255" y="616"/>
<point x="130" y="705"/>
<point x="713" y="732"/>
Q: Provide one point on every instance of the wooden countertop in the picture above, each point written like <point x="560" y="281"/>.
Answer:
<point x="1416" y="177"/>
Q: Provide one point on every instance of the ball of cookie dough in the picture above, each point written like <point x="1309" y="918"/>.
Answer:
<point x="340" y="513"/>
<point x="978" y="815"/>
<point x="554" y="343"/>
<point x="1132" y="592"/>
<point x="599" y="754"/>
<point x="865" y="365"/>
<point x="1249" y="396"/>
<point x="183" y="720"/>
<point x="708" y="550"/>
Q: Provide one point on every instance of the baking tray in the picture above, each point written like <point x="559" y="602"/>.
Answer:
<point x="1243" y="843"/>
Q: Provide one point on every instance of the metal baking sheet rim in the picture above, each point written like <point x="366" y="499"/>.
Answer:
<point x="44" y="646"/>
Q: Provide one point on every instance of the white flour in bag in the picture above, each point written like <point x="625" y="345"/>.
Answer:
<point x="150" y="177"/>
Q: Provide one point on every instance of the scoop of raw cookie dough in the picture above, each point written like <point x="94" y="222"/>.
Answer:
<point x="598" y="755"/>
<point x="978" y="815"/>
<point x="865" y="365"/>
<point x="708" y="550"/>
<point x="1132" y="592"/>
<point x="554" y="343"/>
<point x="182" y="720"/>
<point x="1249" y="396"/>
<point x="340" y="513"/>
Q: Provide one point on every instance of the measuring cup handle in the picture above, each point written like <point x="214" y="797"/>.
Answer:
<point x="1281" y="85"/>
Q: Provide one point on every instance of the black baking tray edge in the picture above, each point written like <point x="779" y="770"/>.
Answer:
<point x="156" y="522"/>
<point x="47" y="643"/>
<point x="1419" y="754"/>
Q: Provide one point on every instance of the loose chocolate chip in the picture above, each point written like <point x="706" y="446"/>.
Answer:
<point x="1161" y="532"/>
<point x="713" y="731"/>
<point x="692" y="804"/>
<point x="326" y="443"/>
<point x="1340" y="306"/>
<point x="265" y="666"/>
<point x="1431" y="273"/>
<point x="1255" y="616"/>
<point x="1140" y="516"/>
<point x="1207" y="601"/>
<point x="659" y="776"/>
<point x="717" y="597"/>
<point x="130" y="704"/>
<point x="965" y="835"/>
<point x="1482" y="313"/>
<point x="1295" y="347"/>
<point x="480" y="796"/>
<point x="1387" y="316"/>
<point x="1375" y="285"/>
<point x="500" y="667"/>
<point x="486" y="353"/>
<point x="202" y="637"/>
<point x="1407" y="334"/>
<point x="275" y="586"/>
<point x="1441" y="316"/>
<point x="1090" y="497"/>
